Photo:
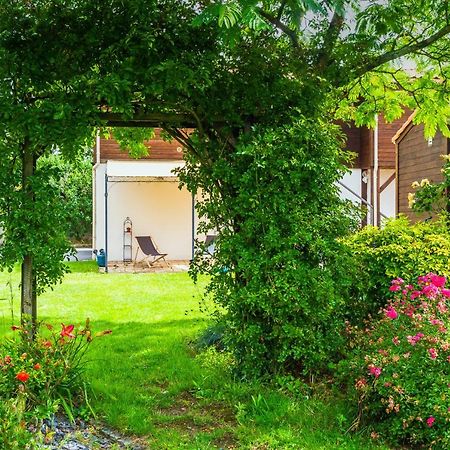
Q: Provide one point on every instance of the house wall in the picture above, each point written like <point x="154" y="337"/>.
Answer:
<point x="388" y="195"/>
<point x="386" y="148"/>
<point x="158" y="209"/>
<point x="417" y="160"/>
<point x="353" y="181"/>
<point x="157" y="147"/>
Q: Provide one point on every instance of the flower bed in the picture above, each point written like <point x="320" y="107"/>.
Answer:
<point x="402" y="364"/>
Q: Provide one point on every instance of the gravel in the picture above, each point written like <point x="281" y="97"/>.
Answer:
<point x="61" y="434"/>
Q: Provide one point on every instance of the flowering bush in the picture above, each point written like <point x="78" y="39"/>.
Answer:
<point x="46" y="370"/>
<point x="400" y="364"/>
<point x="431" y="197"/>
<point x="399" y="249"/>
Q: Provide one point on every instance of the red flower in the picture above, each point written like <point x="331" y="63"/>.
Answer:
<point x="47" y="344"/>
<point x="15" y="328"/>
<point x="37" y="366"/>
<point x="430" y="421"/>
<point x="22" y="376"/>
<point x="67" y="331"/>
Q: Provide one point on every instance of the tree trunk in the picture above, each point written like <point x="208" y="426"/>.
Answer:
<point x="28" y="287"/>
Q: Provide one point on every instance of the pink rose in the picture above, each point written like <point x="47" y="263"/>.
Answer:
<point x="391" y="312"/>
<point x="437" y="280"/>
<point x="375" y="371"/>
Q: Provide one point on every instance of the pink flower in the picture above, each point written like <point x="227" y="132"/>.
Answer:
<point x="414" y="295"/>
<point x="394" y="288"/>
<point x="413" y="340"/>
<point x="437" y="280"/>
<point x="430" y="291"/>
<point x="430" y="421"/>
<point x="433" y="353"/>
<point x="441" y="307"/>
<point x="375" y="371"/>
<point x="391" y="312"/>
<point x="445" y="292"/>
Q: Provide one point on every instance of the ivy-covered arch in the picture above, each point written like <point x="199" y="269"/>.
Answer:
<point x="261" y="83"/>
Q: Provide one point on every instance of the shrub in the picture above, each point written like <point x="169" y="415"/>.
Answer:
<point x="278" y="273"/>
<point x="400" y="365"/>
<point x="399" y="249"/>
<point x="13" y="433"/>
<point x="46" y="371"/>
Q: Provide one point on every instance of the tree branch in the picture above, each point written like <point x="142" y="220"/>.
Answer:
<point x="291" y="34"/>
<point x="403" y="51"/>
<point x="330" y="39"/>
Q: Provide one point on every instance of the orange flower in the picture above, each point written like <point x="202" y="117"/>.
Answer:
<point x="67" y="331"/>
<point x="22" y="376"/>
<point x="37" y="366"/>
<point x="47" y="344"/>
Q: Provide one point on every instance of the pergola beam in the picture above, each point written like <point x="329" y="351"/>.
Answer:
<point x="149" y="120"/>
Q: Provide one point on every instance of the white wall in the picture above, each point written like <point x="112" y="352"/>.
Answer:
<point x="353" y="181"/>
<point x="98" y="235"/>
<point x="387" y="197"/>
<point x="158" y="209"/>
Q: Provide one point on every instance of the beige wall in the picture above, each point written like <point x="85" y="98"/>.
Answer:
<point x="158" y="209"/>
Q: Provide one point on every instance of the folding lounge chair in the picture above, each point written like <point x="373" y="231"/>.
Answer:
<point x="148" y="248"/>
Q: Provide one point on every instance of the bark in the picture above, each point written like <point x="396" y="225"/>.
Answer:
<point x="28" y="287"/>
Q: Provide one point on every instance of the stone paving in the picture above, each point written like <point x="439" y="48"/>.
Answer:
<point x="159" y="267"/>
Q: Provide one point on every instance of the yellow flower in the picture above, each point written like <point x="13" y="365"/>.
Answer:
<point x="411" y="199"/>
<point x="415" y="184"/>
<point x="424" y="182"/>
<point x="446" y="157"/>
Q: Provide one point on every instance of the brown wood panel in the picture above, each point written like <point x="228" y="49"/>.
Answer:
<point x="386" y="148"/>
<point x="416" y="161"/>
<point x="158" y="149"/>
<point x="352" y="140"/>
<point x="366" y="154"/>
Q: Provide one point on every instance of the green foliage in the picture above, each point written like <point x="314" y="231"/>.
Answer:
<point x="132" y="140"/>
<point x="432" y="197"/>
<point x="47" y="371"/>
<point x="278" y="270"/>
<point x="398" y="370"/>
<point x="35" y="224"/>
<point x="71" y="180"/>
<point x="13" y="434"/>
<point x="398" y="249"/>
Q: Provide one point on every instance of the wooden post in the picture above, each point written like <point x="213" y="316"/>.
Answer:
<point x="28" y="288"/>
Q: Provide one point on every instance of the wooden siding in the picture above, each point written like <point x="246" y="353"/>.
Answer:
<point x="386" y="148"/>
<point x="366" y="154"/>
<point x="416" y="161"/>
<point x="158" y="149"/>
<point x="361" y="141"/>
<point x="353" y="140"/>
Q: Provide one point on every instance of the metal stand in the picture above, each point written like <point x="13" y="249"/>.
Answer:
<point x="127" y="240"/>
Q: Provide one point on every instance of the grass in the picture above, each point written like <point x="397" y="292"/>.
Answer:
<point x="149" y="382"/>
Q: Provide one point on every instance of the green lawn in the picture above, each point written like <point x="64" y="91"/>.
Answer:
<point x="149" y="382"/>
